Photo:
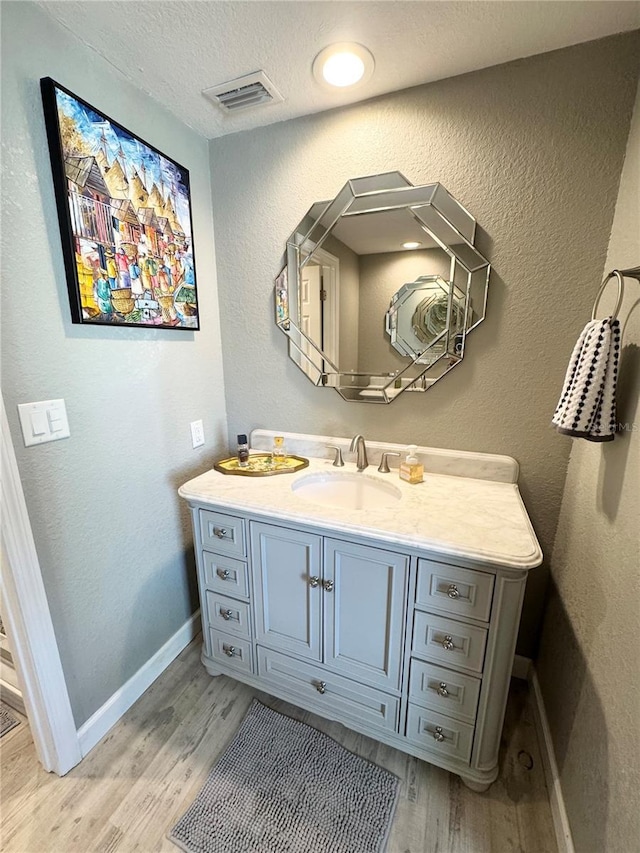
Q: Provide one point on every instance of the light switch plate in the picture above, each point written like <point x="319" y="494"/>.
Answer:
<point x="197" y="433"/>
<point x="43" y="421"/>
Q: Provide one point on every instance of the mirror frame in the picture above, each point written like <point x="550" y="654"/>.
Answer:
<point x="446" y="222"/>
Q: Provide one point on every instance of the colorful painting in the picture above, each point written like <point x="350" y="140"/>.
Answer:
<point x="282" y="301"/>
<point x="125" y="220"/>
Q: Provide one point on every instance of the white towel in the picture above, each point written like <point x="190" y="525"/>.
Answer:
<point x="587" y="405"/>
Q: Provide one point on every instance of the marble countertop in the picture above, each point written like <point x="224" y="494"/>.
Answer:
<point x="475" y="519"/>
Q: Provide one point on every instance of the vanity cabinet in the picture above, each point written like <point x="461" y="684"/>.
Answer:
<point x="329" y="601"/>
<point x="223" y="582"/>
<point x="287" y="576"/>
<point x="406" y="646"/>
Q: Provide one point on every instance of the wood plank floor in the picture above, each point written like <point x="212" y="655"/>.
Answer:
<point x="130" y="789"/>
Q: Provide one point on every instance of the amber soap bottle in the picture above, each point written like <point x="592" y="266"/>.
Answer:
<point x="411" y="470"/>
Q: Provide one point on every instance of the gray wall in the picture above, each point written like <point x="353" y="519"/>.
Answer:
<point x="589" y="666"/>
<point x="534" y="150"/>
<point x="349" y="301"/>
<point x="111" y="534"/>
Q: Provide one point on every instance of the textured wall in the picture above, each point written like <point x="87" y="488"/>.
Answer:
<point x="589" y="666"/>
<point x="112" y="537"/>
<point x="534" y="150"/>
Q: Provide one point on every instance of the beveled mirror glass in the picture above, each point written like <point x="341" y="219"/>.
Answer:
<point x="381" y="287"/>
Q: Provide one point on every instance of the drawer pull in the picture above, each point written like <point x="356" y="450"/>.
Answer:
<point x="453" y="591"/>
<point x="223" y="574"/>
<point x="438" y="735"/>
<point x="220" y="532"/>
<point x="314" y="580"/>
<point x="447" y="643"/>
<point x="226" y="614"/>
<point x="229" y="650"/>
<point x="321" y="686"/>
<point x="328" y="585"/>
<point x="442" y="689"/>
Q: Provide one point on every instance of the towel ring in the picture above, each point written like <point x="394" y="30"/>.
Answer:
<point x="620" y="278"/>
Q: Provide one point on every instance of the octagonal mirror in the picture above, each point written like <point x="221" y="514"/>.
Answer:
<point x="421" y="314"/>
<point x="381" y="287"/>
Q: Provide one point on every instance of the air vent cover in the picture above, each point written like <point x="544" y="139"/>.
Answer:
<point x="252" y="90"/>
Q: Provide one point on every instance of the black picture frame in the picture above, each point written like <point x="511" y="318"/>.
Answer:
<point x="124" y="210"/>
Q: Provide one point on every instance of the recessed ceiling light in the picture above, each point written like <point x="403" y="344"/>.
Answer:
<point x="343" y="65"/>
<point x="411" y="245"/>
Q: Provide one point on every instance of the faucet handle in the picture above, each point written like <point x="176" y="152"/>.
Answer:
<point x="338" y="462"/>
<point x="383" y="467"/>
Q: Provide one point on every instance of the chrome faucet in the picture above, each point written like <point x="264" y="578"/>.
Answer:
<point x="357" y="444"/>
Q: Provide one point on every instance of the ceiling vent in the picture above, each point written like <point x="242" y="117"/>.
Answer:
<point x="252" y="90"/>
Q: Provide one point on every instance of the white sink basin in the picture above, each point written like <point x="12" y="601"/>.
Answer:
<point x="347" y="490"/>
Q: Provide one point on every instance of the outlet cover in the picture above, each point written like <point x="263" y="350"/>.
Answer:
<point x="197" y="433"/>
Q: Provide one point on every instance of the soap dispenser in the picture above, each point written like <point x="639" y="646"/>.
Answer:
<point x="411" y="470"/>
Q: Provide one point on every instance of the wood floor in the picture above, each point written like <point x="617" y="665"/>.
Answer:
<point x="130" y="790"/>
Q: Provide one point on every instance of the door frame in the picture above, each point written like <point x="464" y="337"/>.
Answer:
<point x="330" y="266"/>
<point x="26" y="614"/>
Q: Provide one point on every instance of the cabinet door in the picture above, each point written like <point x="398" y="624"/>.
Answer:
<point x="364" y="602"/>
<point x="286" y="573"/>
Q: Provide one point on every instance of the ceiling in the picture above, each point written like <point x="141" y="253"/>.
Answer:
<point x="173" y="49"/>
<point x="381" y="232"/>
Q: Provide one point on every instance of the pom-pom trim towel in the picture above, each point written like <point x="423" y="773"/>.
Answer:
<point x="587" y="405"/>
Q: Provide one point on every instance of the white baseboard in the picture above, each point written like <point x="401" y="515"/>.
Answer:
<point x="521" y="667"/>
<point x="96" y="727"/>
<point x="552" y="775"/>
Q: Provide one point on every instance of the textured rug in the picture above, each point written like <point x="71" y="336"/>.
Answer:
<point x="284" y="787"/>
<point x="7" y="720"/>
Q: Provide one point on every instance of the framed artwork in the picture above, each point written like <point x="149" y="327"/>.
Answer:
<point x="125" y="220"/>
<point x="282" y="301"/>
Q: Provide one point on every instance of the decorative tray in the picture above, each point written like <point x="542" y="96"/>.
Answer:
<point x="261" y="465"/>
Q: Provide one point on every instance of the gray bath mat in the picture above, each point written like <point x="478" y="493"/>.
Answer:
<point x="284" y="787"/>
<point x="7" y="720"/>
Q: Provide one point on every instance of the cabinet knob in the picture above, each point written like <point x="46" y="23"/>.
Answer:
<point x="453" y="591"/>
<point x="229" y="651"/>
<point x="328" y="585"/>
<point x="314" y="580"/>
<point x="438" y="735"/>
<point x="442" y="689"/>
<point x="220" y="532"/>
<point x="223" y="573"/>
<point x="321" y="686"/>
<point x="226" y="614"/>
<point x="447" y="643"/>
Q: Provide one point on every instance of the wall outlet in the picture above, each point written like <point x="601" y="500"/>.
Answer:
<point x="197" y="433"/>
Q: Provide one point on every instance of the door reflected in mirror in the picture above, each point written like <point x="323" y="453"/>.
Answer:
<point x="381" y="287"/>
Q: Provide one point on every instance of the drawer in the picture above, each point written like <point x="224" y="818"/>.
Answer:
<point x="228" y="615"/>
<point x="231" y="651"/>
<point x="222" y="533"/>
<point x="455" y="644"/>
<point x="450" y="589"/>
<point x="444" y="690"/>
<point x="226" y="575"/>
<point x="438" y="733"/>
<point x="335" y="697"/>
